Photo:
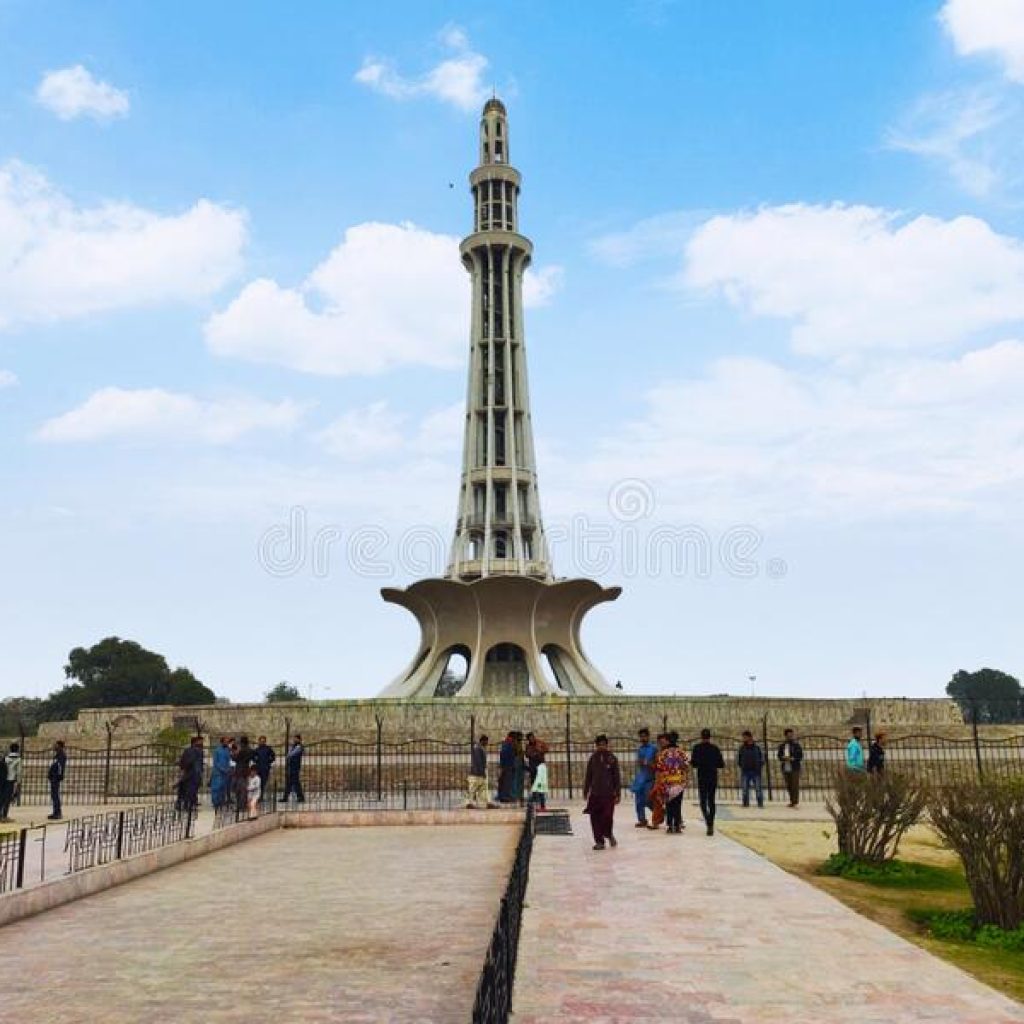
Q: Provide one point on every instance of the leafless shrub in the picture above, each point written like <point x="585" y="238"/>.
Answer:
<point x="983" y="823"/>
<point x="872" y="812"/>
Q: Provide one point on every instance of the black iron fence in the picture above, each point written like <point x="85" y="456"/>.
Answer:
<point x="497" y="979"/>
<point x="101" y="838"/>
<point x="432" y="773"/>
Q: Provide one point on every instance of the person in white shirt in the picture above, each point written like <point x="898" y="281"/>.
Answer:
<point x="253" y="787"/>
<point x="12" y="777"/>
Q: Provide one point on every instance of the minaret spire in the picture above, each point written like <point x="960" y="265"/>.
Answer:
<point x="498" y="606"/>
<point x="499" y="526"/>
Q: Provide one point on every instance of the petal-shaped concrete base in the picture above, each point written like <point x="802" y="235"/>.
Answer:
<point x="530" y="619"/>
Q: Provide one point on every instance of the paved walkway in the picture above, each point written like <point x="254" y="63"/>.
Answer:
<point x="361" y="925"/>
<point x="703" y="931"/>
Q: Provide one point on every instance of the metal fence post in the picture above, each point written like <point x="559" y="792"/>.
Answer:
<point x="106" y="762"/>
<point x="977" y="742"/>
<point x="120" y="835"/>
<point x="380" y="758"/>
<point x="472" y="731"/>
<point x="767" y="759"/>
<point x="22" y="844"/>
<point x="568" y="747"/>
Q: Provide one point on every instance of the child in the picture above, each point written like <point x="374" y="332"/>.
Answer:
<point x="539" y="789"/>
<point x="252" y="788"/>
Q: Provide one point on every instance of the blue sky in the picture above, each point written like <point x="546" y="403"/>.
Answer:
<point x="776" y="319"/>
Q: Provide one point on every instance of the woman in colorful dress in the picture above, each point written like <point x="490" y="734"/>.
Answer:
<point x="671" y="768"/>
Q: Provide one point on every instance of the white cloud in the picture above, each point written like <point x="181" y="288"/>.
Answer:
<point x="650" y="239"/>
<point x="58" y="260"/>
<point x="754" y="439"/>
<point x="540" y="286"/>
<point x="377" y="430"/>
<point x="857" y="278"/>
<point x="73" y="92"/>
<point x="974" y="134"/>
<point x="993" y="27"/>
<point x="457" y="80"/>
<point x="153" y="414"/>
<point x="7" y="379"/>
<point x="389" y="295"/>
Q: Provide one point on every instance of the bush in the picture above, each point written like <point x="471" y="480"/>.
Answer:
<point x="962" y="926"/>
<point x="983" y="823"/>
<point x="872" y="813"/>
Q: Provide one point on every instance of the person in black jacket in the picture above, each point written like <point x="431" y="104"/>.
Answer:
<point x="265" y="758"/>
<point x="293" y="770"/>
<point x="55" y="775"/>
<point x="791" y="754"/>
<point x="707" y="760"/>
<point x="750" y="759"/>
<point x="876" y="755"/>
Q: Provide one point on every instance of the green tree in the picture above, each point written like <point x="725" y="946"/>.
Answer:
<point x="119" y="673"/>
<point x="64" y="704"/>
<point x="185" y="689"/>
<point x="284" y="691"/>
<point x="993" y="695"/>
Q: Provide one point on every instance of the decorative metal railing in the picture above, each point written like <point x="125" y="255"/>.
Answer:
<point x="494" y="989"/>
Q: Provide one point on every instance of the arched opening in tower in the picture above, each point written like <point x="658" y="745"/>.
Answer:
<point x="558" y="663"/>
<point x="506" y="673"/>
<point x="454" y="665"/>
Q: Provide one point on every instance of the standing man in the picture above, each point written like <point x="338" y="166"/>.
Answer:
<point x="855" y="753"/>
<point x="55" y="775"/>
<point x="506" y="768"/>
<point x="643" y="779"/>
<point x="243" y="759"/>
<point x="12" y="762"/>
<point x="876" y="755"/>
<point x="478" y="775"/>
<point x="602" y="789"/>
<point x="191" y="765"/>
<point x="293" y="771"/>
<point x="220" y="778"/>
<point x="264" y="758"/>
<point x="750" y="758"/>
<point x="707" y="759"/>
<point x="791" y="754"/>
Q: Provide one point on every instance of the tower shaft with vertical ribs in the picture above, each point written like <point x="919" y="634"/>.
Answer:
<point x="498" y="605"/>
<point x="499" y="526"/>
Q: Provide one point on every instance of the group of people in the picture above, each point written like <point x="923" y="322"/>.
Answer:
<point x="660" y="779"/>
<point x="240" y="776"/>
<point x="522" y="772"/>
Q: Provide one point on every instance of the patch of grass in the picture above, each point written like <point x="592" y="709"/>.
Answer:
<point x="961" y="926"/>
<point x="893" y="874"/>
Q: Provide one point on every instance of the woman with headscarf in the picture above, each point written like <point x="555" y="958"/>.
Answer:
<point x="671" y="768"/>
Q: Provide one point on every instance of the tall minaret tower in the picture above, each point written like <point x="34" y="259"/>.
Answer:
<point x="499" y="606"/>
<point x="499" y="527"/>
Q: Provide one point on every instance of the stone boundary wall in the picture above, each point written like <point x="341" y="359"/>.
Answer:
<point x="455" y="720"/>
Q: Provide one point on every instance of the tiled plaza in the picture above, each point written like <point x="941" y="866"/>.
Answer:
<point x="701" y="930"/>
<point x="361" y="925"/>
